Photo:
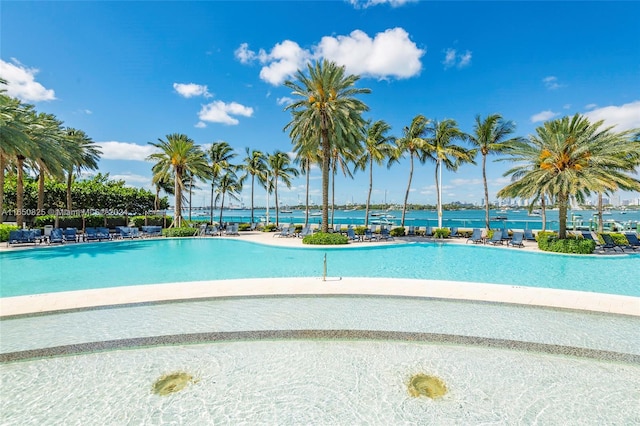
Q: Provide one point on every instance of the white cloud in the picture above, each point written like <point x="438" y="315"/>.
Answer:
<point x="283" y="61"/>
<point x="133" y="179"/>
<point x="388" y="54"/>
<point x="624" y="117"/>
<point x="551" y="82"/>
<point x="21" y="82"/>
<point x="125" y="151"/>
<point x="464" y="182"/>
<point x="363" y="4"/>
<point x="543" y="116"/>
<point x="190" y="90"/>
<point x="590" y="106"/>
<point x="566" y="106"/>
<point x="285" y="100"/>
<point x="200" y="125"/>
<point x="454" y="59"/>
<point x="220" y="112"/>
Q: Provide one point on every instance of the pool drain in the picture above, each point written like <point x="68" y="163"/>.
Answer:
<point x="425" y="385"/>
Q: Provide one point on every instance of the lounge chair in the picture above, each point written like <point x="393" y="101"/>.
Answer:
<point x="285" y="232"/>
<point x="351" y="234"/>
<point x="56" y="236"/>
<point x="476" y="236"/>
<point x="411" y="231"/>
<point x="231" y="229"/>
<point x="90" y="234"/>
<point x="587" y="236"/>
<point x="633" y="240"/>
<point x="369" y="235"/>
<point x="212" y="230"/>
<point x="70" y="235"/>
<point x="516" y="240"/>
<point x="21" y="236"/>
<point x="305" y="231"/>
<point x="103" y="234"/>
<point x="385" y="234"/>
<point x="455" y="233"/>
<point x="496" y="238"/>
<point x="610" y="243"/>
<point x="528" y="235"/>
<point x="428" y="232"/>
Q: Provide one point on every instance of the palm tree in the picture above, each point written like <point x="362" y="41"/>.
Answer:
<point x="84" y="154"/>
<point x="280" y="169"/>
<point x="341" y="156"/>
<point x="327" y="108"/>
<point x="220" y="155"/>
<point x="377" y="149"/>
<point x="413" y="143"/>
<point x="228" y="184"/>
<point x="52" y="159"/>
<point x="178" y="156"/>
<point x="489" y="137"/>
<point x="254" y="164"/>
<point x="573" y="157"/>
<point x="442" y="151"/>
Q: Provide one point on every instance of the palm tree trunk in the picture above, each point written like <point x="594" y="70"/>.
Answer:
<point x="275" y="188"/>
<point x="2" y="162"/>
<point x="19" y="191"/>
<point x="366" y="214"/>
<point x="211" y="205"/>
<point x="41" y="189"/>
<point x="69" y="183"/>
<point x="439" y="191"/>
<point x="306" y="215"/>
<point x="333" y="194"/>
<point x="190" y="194"/>
<point x="221" y="208"/>
<point x="487" y="224"/>
<point x="253" y="180"/>
<point x="325" y="179"/>
<point x="156" y="201"/>
<point x="406" y="194"/>
<point x="562" y="212"/>
<point x="600" y="221"/>
<point x="543" y="214"/>
<point x="177" y="214"/>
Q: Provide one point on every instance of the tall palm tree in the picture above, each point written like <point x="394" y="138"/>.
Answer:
<point x="442" y="150"/>
<point x="413" y="143"/>
<point x="377" y="149"/>
<point x="220" y="155"/>
<point x="327" y="107"/>
<point x="254" y="164"/>
<point x="490" y="137"/>
<point x="280" y="169"/>
<point x="84" y="154"/>
<point x="573" y="157"/>
<point x="228" y="184"/>
<point x="52" y="159"/>
<point x="179" y="155"/>
<point x="341" y="156"/>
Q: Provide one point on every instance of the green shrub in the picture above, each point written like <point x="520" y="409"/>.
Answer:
<point x="618" y="238"/>
<point x="360" y="230"/>
<point x="155" y="220"/>
<point x="325" y="239"/>
<point x="442" y="233"/>
<point x="271" y="227"/>
<point x="4" y="231"/>
<point x="244" y="226"/>
<point x="549" y="241"/>
<point x="397" y="232"/>
<point x="179" y="232"/>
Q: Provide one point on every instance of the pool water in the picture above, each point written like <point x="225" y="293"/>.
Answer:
<point x="125" y="263"/>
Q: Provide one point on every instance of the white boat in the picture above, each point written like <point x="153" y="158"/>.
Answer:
<point x="315" y="214"/>
<point x="535" y="213"/>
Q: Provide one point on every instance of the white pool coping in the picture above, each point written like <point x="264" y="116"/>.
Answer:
<point x="554" y="298"/>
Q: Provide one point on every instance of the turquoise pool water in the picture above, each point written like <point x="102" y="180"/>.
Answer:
<point x="100" y="265"/>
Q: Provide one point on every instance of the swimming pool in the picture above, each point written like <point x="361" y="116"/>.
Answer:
<point x="125" y="263"/>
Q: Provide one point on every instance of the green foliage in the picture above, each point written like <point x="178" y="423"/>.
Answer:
<point x="360" y="230"/>
<point x="325" y="239"/>
<point x="298" y="229"/>
<point x="549" y="241"/>
<point x="244" y="226"/>
<point x="4" y="231"/>
<point x="441" y="233"/>
<point x="179" y="232"/>
<point x="618" y="238"/>
<point x="155" y="220"/>
<point x="271" y="227"/>
<point x="397" y="232"/>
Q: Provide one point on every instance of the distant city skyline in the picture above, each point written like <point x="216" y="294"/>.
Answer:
<point x="127" y="74"/>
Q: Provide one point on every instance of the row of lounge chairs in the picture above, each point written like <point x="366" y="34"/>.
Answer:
<point x="611" y="245"/>
<point x="213" y="230"/>
<point x="500" y="237"/>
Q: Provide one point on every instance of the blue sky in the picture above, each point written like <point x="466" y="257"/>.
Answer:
<point x="128" y="73"/>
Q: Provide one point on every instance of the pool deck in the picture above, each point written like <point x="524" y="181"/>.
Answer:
<point x="499" y="293"/>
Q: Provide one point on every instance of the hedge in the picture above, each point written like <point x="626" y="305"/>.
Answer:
<point x="179" y="232"/>
<point x="397" y="232"/>
<point x="325" y="239"/>
<point x="549" y="241"/>
<point x="4" y="231"/>
<point x="441" y="233"/>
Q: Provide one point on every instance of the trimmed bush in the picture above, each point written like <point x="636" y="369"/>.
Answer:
<point x="397" y="232"/>
<point x="618" y="238"/>
<point x="325" y="239"/>
<point x="271" y="227"/>
<point x="4" y="231"/>
<point x="179" y="232"/>
<point x="155" y="220"/>
<point x="442" y="233"/>
<point x="549" y="241"/>
<point x="244" y="226"/>
<point x="360" y="230"/>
